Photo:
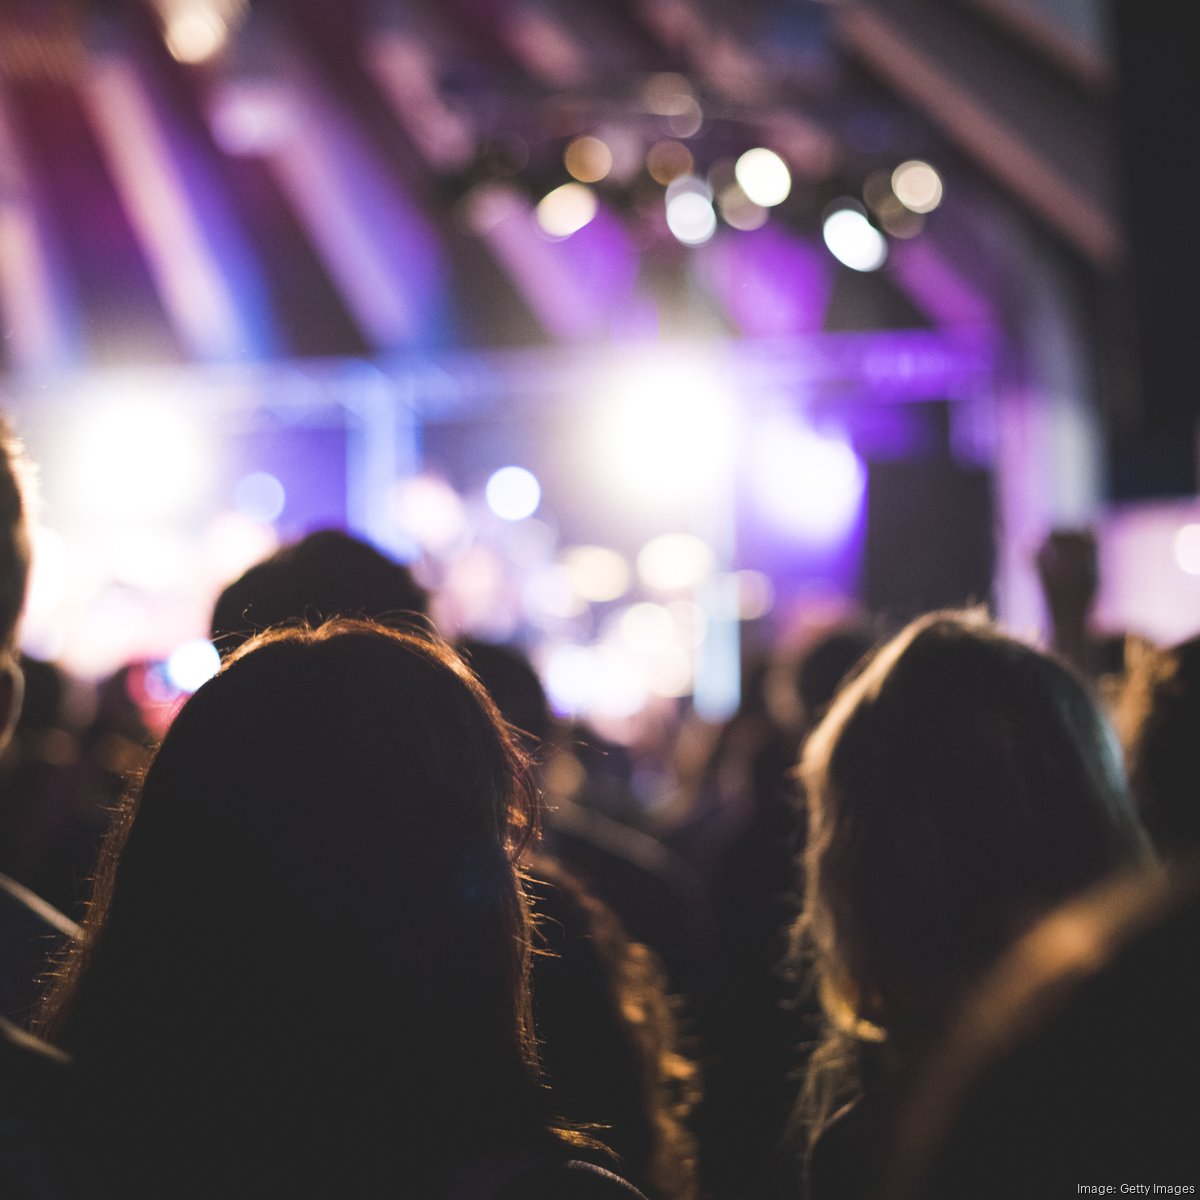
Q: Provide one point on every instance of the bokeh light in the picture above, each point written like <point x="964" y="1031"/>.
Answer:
<point x="513" y="493"/>
<point x="755" y="595"/>
<point x="667" y="161"/>
<point x="646" y="628"/>
<point x="193" y="664"/>
<point x="195" y="32"/>
<point x="852" y="239"/>
<point x="738" y="210"/>
<point x="764" y="177"/>
<point x="690" y="215"/>
<point x="566" y="210"/>
<point x="260" y="497"/>
<point x="665" y="430"/>
<point x="675" y="562"/>
<point x="808" y="484"/>
<point x="588" y="159"/>
<point x="668" y="94"/>
<point x="430" y="511"/>
<point x="1187" y="549"/>
<point x="917" y="186"/>
<point x="597" y="573"/>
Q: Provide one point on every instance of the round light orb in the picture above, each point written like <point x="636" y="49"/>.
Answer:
<point x="566" y="210"/>
<point x="853" y="240"/>
<point x="588" y="159"/>
<point x="597" y="573"/>
<point x="513" y="493"/>
<point x="917" y="186"/>
<point x="1187" y="549"/>
<point x="690" y="217"/>
<point x="675" y="562"/>
<point x="193" y="664"/>
<point x="764" y="177"/>
<point x="259" y="496"/>
<point x="195" y="34"/>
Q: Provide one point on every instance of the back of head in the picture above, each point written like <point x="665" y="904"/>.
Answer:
<point x="513" y="684"/>
<point x="958" y="787"/>
<point x="310" y="919"/>
<point x="1160" y="720"/>
<point x="1075" y="1062"/>
<point x="324" y="575"/>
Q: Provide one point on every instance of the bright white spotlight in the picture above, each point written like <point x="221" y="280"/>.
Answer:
<point x="675" y="561"/>
<point x="853" y="240"/>
<point x="572" y="677"/>
<point x="195" y="32"/>
<point x="566" y="210"/>
<point x="646" y="628"/>
<point x="430" y="510"/>
<point x="808" y="484"/>
<point x="917" y="186"/>
<point x="764" y="177"/>
<point x="260" y="497"/>
<point x="1187" y="549"/>
<point x="193" y="664"/>
<point x="667" y="430"/>
<point x="136" y="457"/>
<point x="513" y="493"/>
<point x="690" y="217"/>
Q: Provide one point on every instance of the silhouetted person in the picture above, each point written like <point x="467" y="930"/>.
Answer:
<point x="608" y="1035"/>
<point x="958" y="788"/>
<point x="306" y="965"/>
<point x="325" y="574"/>
<point x="1076" y="1061"/>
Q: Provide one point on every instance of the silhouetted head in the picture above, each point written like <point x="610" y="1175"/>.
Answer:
<point x="513" y="684"/>
<point x="1160" y="725"/>
<point x="310" y="921"/>
<point x="958" y="787"/>
<point x="14" y="572"/>
<point x="1075" y="1061"/>
<point x="324" y="575"/>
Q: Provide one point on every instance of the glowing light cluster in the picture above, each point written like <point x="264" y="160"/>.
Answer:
<point x="193" y="664"/>
<point x="690" y="215"/>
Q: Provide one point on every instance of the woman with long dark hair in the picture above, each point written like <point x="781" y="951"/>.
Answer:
<point x="306" y="962"/>
<point x="959" y="787"/>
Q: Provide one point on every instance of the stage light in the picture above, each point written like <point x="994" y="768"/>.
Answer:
<point x="668" y="94"/>
<point x="233" y="543"/>
<point x="669" y="674"/>
<point x="853" y="240"/>
<point x="571" y="675"/>
<point x="588" y="159"/>
<point x="195" y="34"/>
<point x="738" y="210"/>
<point x="755" y="595"/>
<point x="917" y="185"/>
<point x="764" y="177"/>
<point x="259" y="497"/>
<point x="810" y="485"/>
<point x="566" y="210"/>
<point x="667" y="161"/>
<point x="1187" y="549"/>
<point x="675" y="562"/>
<point x="666" y="431"/>
<point x="134" y="457"/>
<point x="193" y="664"/>
<point x="513" y="493"/>
<point x="690" y="215"/>
<point x="597" y="573"/>
<point x="550" y="592"/>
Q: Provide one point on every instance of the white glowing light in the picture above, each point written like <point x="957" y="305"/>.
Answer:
<point x="646" y="628"/>
<point x="550" y="592"/>
<point x="260" y="497"/>
<point x="670" y="674"/>
<point x="597" y="573"/>
<point x="193" y="664"/>
<point x="690" y="215"/>
<point x="566" y="210"/>
<point x="153" y="560"/>
<point x="622" y="689"/>
<point x="917" y="186"/>
<point x="755" y="595"/>
<point x="1187" y="549"/>
<point x="808" y="484"/>
<point x="764" y="177"/>
<point x="571" y="675"/>
<point x="430" y="510"/>
<point x="234" y="543"/>
<point x="136" y="457"/>
<point x="675" y="561"/>
<point x="513" y="493"/>
<point x="195" y="33"/>
<point x="689" y="623"/>
<point x="666" y="432"/>
<point x="853" y="240"/>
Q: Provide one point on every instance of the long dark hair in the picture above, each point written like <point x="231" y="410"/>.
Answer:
<point x="306" y="963"/>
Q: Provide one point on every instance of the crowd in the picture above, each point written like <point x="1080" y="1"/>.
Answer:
<point x="368" y="920"/>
